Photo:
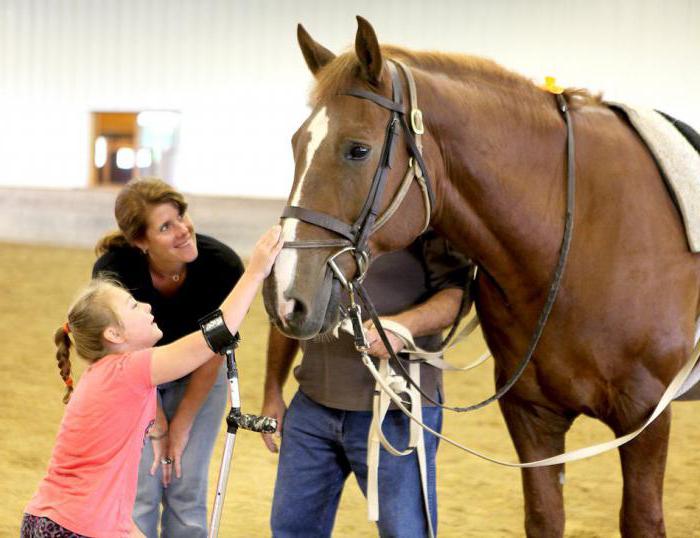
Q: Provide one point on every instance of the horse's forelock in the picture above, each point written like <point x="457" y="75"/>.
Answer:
<point x="335" y="77"/>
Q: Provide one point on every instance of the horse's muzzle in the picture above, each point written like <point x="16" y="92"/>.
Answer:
<point x="303" y="316"/>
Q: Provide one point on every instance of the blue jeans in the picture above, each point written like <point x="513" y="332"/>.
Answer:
<point x="322" y="446"/>
<point x="185" y="499"/>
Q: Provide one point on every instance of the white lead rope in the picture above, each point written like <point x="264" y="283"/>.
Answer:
<point x="389" y="386"/>
<point x="381" y="402"/>
<point x="376" y="435"/>
<point x="573" y="455"/>
<point x="435" y="358"/>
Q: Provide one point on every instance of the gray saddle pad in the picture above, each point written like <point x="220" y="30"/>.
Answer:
<point x="676" y="148"/>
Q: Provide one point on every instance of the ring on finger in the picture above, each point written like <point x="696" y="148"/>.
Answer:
<point x="166" y="461"/>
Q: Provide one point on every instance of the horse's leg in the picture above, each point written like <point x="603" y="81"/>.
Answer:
<point x="643" y="464"/>
<point x="539" y="433"/>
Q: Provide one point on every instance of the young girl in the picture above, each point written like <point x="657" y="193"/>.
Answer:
<point x="90" y="485"/>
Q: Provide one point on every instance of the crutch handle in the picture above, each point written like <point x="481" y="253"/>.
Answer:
<point x="257" y="423"/>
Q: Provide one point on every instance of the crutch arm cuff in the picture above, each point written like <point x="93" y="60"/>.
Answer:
<point x="216" y="333"/>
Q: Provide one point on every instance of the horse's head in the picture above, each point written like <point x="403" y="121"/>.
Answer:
<point x="350" y="198"/>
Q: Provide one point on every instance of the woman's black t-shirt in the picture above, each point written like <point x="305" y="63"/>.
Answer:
<point x="209" y="280"/>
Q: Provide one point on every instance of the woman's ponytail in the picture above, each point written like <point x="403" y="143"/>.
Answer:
<point x="111" y="241"/>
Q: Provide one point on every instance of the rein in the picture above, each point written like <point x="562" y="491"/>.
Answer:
<point x="551" y="296"/>
<point x="356" y="235"/>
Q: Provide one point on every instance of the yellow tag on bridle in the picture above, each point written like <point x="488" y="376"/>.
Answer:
<point x="550" y="85"/>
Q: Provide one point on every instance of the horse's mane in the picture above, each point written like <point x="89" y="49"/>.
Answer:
<point x="337" y="75"/>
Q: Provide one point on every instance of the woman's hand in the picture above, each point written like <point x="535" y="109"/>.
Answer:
<point x="179" y="437"/>
<point x="160" y="453"/>
<point x="266" y="250"/>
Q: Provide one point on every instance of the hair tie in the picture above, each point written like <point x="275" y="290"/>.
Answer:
<point x="68" y="381"/>
<point x="66" y="328"/>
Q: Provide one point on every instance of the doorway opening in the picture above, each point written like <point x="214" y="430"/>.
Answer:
<point x="127" y="145"/>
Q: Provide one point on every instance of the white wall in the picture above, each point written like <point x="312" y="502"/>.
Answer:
<point x="232" y="67"/>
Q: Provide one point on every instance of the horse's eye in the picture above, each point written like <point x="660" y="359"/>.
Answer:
<point x="357" y="152"/>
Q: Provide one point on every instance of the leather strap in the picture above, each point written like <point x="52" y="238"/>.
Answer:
<point x="370" y="211"/>
<point x="574" y="455"/>
<point x="551" y="295"/>
<point x="324" y="220"/>
<point x="369" y="220"/>
<point x="375" y="98"/>
<point x="318" y="243"/>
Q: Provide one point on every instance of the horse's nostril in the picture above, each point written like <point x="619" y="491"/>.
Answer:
<point x="297" y="311"/>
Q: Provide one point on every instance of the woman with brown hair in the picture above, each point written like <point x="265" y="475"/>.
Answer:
<point x="158" y="257"/>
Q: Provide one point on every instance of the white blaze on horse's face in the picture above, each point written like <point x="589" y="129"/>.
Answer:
<point x="286" y="264"/>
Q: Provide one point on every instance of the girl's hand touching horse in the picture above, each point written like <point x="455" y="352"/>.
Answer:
<point x="266" y="250"/>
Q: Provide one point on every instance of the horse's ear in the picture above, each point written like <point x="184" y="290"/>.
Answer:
<point x="316" y="55"/>
<point x="368" y="52"/>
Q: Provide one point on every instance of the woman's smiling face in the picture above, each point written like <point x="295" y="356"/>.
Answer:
<point x="169" y="235"/>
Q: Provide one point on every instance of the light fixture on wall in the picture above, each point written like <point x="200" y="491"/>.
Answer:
<point x="125" y="158"/>
<point x="100" y="151"/>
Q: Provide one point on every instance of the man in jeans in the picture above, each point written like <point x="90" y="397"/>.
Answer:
<point x="325" y="429"/>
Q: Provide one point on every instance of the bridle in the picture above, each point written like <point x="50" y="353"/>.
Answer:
<point x="355" y="236"/>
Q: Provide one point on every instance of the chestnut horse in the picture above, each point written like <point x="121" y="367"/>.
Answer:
<point x="495" y="151"/>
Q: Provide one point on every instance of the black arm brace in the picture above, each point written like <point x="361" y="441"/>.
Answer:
<point x="216" y="333"/>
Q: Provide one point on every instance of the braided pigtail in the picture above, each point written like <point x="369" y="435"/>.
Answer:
<point x="63" y="345"/>
<point x="88" y="317"/>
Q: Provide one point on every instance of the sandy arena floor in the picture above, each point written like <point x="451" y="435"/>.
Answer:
<point x="476" y="498"/>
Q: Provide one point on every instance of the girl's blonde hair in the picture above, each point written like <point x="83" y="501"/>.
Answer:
<point x="89" y="315"/>
<point x="131" y="210"/>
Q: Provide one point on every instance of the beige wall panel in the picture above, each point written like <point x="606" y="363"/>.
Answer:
<point x="234" y="70"/>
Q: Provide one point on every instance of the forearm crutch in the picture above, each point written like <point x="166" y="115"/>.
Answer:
<point x="223" y="342"/>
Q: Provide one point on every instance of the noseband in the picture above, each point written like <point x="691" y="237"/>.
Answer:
<point x="355" y="236"/>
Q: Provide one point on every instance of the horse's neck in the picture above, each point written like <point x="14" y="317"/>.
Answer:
<point x="501" y="195"/>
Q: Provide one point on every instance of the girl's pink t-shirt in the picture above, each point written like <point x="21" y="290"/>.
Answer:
<point x="90" y="485"/>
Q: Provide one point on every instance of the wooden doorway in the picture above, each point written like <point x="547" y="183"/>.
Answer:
<point x="127" y="145"/>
